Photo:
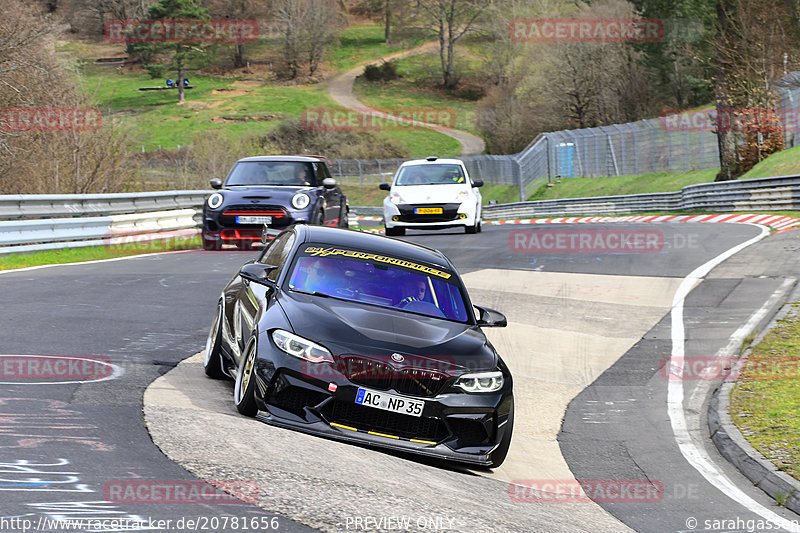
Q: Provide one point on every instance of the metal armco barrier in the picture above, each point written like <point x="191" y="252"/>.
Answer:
<point x="45" y="222"/>
<point x="760" y="194"/>
<point x="100" y="219"/>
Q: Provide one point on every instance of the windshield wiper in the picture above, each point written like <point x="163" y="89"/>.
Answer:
<point x="314" y="293"/>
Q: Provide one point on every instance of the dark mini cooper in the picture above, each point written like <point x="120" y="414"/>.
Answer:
<point x="367" y="339"/>
<point x="273" y="191"/>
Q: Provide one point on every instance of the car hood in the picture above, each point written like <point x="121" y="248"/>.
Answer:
<point x="274" y="194"/>
<point x="359" y="329"/>
<point x="422" y="194"/>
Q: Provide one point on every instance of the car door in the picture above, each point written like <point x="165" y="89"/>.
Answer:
<point x="255" y="296"/>
<point x="333" y="197"/>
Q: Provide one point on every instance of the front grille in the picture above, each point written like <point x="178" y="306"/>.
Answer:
<point x="228" y="217"/>
<point x="294" y="399"/>
<point x="371" y="419"/>
<point x="366" y="372"/>
<point x="449" y="213"/>
<point x="381" y="376"/>
<point x="255" y="209"/>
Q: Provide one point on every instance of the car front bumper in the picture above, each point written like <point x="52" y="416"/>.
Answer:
<point x="455" y="426"/>
<point x="407" y="215"/>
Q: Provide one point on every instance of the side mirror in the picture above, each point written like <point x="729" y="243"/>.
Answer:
<point x="257" y="273"/>
<point x="216" y="183"/>
<point x="385" y="187"/>
<point x="491" y="318"/>
<point x="477" y="183"/>
<point x="329" y="183"/>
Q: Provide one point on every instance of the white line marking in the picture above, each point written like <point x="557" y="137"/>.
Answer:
<point x="690" y="448"/>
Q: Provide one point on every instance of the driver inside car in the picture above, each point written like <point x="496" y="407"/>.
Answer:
<point x="416" y="292"/>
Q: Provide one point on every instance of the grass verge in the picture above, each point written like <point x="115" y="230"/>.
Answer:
<point x="766" y="398"/>
<point x="95" y="253"/>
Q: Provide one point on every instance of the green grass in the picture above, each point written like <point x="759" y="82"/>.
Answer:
<point x="360" y="44"/>
<point x="610" y="186"/>
<point x="94" y="253"/>
<point x="415" y="90"/>
<point x="782" y="163"/>
<point x="766" y="399"/>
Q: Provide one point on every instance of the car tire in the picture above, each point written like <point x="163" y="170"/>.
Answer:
<point x="498" y="456"/>
<point x="244" y="390"/>
<point x="213" y="357"/>
<point x="344" y="220"/>
<point x="395" y="232"/>
<point x="479" y="226"/>
<point x="471" y="229"/>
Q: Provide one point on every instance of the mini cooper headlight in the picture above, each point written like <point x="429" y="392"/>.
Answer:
<point x="215" y="200"/>
<point x="481" y="382"/>
<point x="301" y="348"/>
<point x="300" y="200"/>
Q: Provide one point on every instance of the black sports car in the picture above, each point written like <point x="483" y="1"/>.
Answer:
<point x="364" y="338"/>
<point x="276" y="191"/>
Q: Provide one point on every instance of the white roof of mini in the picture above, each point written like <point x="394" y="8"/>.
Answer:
<point x="434" y="162"/>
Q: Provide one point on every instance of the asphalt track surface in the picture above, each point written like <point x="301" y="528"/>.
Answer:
<point x="64" y="443"/>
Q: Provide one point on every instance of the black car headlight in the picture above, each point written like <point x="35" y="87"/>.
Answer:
<point x="300" y="200"/>
<point x="215" y="200"/>
<point x="481" y="382"/>
<point x="301" y="348"/>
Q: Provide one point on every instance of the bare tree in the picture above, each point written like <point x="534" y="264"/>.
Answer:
<point x="308" y="27"/>
<point x="450" y="20"/>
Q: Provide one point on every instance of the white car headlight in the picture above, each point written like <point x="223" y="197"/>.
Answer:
<point x="301" y="348"/>
<point x="215" y="200"/>
<point x="395" y="198"/>
<point x="481" y="382"/>
<point x="462" y="196"/>
<point x="300" y="200"/>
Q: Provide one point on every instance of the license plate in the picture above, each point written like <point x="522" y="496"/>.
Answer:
<point x="389" y="402"/>
<point x="244" y="219"/>
<point x="428" y="210"/>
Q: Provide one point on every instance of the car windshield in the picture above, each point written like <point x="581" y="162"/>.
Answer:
<point x="441" y="174"/>
<point x="369" y="278"/>
<point x="296" y="173"/>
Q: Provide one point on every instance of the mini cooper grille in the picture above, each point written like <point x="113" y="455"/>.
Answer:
<point x="369" y="419"/>
<point x="381" y="376"/>
<point x="259" y="210"/>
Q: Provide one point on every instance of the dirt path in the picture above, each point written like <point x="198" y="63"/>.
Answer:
<point x="341" y="90"/>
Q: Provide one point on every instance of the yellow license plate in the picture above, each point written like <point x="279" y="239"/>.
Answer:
<point x="428" y="211"/>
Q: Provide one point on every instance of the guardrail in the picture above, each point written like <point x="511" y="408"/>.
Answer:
<point x="43" y="222"/>
<point x="780" y="193"/>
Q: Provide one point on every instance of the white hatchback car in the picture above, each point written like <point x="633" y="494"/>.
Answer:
<point x="432" y="193"/>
